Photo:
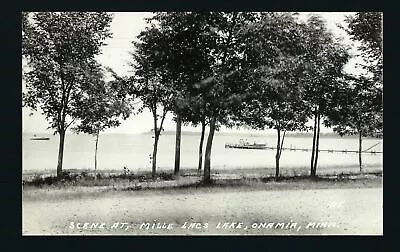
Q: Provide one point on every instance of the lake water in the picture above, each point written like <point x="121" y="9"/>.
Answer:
<point x="132" y="150"/>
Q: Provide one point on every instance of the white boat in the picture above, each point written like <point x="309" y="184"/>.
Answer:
<point x="244" y="144"/>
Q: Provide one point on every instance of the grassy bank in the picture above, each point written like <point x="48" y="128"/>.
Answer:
<point x="237" y="171"/>
<point x="86" y="184"/>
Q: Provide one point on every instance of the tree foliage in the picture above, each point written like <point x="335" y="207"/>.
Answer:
<point x="273" y="57"/>
<point x="273" y="47"/>
<point x="358" y="106"/>
<point x="324" y="60"/>
<point x="367" y="28"/>
<point x="60" y="50"/>
<point x="187" y="61"/>
<point x="151" y="83"/>
<point x="103" y="106"/>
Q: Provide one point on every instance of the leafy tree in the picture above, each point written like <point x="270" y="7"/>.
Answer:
<point x="223" y="90"/>
<point x="366" y="27"/>
<point x="273" y="52"/>
<point x="219" y="90"/>
<point x="150" y="83"/>
<point x="186" y="60"/>
<point x="186" y="63"/>
<point x="358" y="108"/>
<point x="278" y="103"/>
<point x="324" y="59"/>
<point x="60" y="50"/>
<point x="103" y="106"/>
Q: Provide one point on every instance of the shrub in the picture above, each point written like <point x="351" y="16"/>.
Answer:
<point x="99" y="176"/>
<point x="37" y="180"/>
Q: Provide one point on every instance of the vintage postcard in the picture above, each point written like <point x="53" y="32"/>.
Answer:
<point x="202" y="123"/>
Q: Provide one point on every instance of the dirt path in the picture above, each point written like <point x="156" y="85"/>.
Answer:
<point x="339" y="211"/>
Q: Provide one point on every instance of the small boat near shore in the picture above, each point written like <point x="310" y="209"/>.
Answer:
<point x="39" y="138"/>
<point x="244" y="144"/>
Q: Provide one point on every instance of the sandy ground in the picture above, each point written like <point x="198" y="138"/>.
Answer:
<point x="338" y="211"/>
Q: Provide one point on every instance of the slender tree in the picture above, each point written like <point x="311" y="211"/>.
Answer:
<point x="358" y="108"/>
<point x="201" y="144"/>
<point x="194" y="114"/>
<point x="60" y="50"/>
<point x="223" y="91"/>
<point x="278" y="105"/>
<point x="151" y="81"/>
<point x="324" y="60"/>
<point x="197" y="117"/>
<point x="103" y="106"/>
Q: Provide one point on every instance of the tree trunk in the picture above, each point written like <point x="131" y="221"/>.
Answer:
<point x="359" y="150"/>
<point x="317" y="144"/>
<point x="156" y="134"/>
<point x="60" y="153"/>
<point x="203" y="129"/>
<point x="178" y="135"/>
<point x="95" y="154"/>
<point x="278" y="145"/>
<point x="154" y="159"/>
<point x="207" y="160"/>
<point x="313" y="145"/>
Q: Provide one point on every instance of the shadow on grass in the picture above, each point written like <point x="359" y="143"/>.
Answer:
<point x="288" y="182"/>
<point x="342" y="177"/>
<point x="220" y="183"/>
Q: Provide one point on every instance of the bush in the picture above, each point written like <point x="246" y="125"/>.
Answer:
<point x="99" y="176"/>
<point x="65" y="174"/>
<point x="37" y="180"/>
<point x="166" y="176"/>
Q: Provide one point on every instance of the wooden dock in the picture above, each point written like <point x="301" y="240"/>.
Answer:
<point x="300" y="149"/>
<point x="329" y="151"/>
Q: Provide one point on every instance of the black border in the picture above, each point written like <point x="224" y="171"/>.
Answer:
<point x="10" y="175"/>
<point x="205" y="5"/>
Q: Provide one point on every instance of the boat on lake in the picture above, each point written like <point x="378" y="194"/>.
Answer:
<point x="244" y="144"/>
<point x="40" y="138"/>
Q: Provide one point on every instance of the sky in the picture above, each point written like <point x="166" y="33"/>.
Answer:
<point x="116" y="54"/>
